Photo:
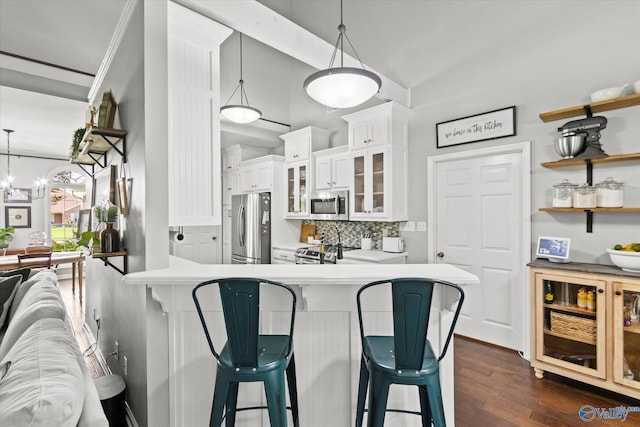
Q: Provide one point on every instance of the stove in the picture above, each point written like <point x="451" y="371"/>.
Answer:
<point x="311" y="254"/>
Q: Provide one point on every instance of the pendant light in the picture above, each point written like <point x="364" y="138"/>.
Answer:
<point x="7" y="187"/>
<point x="342" y="87"/>
<point x="240" y="113"/>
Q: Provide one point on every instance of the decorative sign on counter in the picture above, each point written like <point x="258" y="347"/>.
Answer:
<point x="480" y="127"/>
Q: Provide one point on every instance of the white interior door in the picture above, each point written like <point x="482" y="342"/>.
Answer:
<point x="200" y="244"/>
<point x="480" y="204"/>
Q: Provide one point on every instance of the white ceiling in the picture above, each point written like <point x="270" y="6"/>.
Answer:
<point x="408" y="41"/>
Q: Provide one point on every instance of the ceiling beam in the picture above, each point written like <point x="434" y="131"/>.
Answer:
<point x="265" y="25"/>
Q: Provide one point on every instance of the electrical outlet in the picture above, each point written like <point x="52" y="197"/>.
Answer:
<point x="124" y="365"/>
<point x="421" y="226"/>
<point x="116" y="350"/>
<point x="408" y="226"/>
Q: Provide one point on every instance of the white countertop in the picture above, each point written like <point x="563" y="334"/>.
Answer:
<point x="188" y="273"/>
<point x="374" y="255"/>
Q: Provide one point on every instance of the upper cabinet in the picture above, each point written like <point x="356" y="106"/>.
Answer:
<point x="298" y="146"/>
<point x="232" y="156"/>
<point x="257" y="174"/>
<point x="378" y="126"/>
<point x="378" y="139"/>
<point x="331" y="169"/>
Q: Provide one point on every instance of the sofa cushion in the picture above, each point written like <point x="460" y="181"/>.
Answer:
<point x="8" y="288"/>
<point x="44" y="385"/>
<point x="26" y="285"/>
<point x="43" y="300"/>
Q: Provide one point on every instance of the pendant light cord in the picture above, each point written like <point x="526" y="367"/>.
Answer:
<point x="243" y="94"/>
<point x="342" y="29"/>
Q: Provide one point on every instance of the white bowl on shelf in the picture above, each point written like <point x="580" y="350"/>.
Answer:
<point x="605" y="94"/>
<point x="628" y="261"/>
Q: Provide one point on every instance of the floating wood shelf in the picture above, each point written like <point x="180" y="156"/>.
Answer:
<point x="104" y="256"/>
<point x="581" y="162"/>
<point x="590" y="209"/>
<point x="596" y="107"/>
<point x="95" y="145"/>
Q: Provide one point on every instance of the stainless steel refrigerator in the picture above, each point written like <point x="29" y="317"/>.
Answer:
<point x="251" y="228"/>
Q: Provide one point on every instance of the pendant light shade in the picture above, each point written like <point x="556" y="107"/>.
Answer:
<point x="240" y="113"/>
<point x="342" y="87"/>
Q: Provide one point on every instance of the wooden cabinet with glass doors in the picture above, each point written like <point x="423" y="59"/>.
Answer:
<point x="578" y="325"/>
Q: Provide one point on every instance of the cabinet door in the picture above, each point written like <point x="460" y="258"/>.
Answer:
<point x="230" y="186"/>
<point x="340" y="171"/>
<point x="370" y="170"/>
<point x="359" y="134"/>
<point x="324" y="175"/>
<point x="263" y="175"/>
<point x="297" y="148"/>
<point x="566" y="334"/>
<point x="247" y="180"/>
<point x="297" y="189"/>
<point x="380" y="131"/>
<point x="626" y="334"/>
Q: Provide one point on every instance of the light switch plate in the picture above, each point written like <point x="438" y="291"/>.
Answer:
<point x="408" y="226"/>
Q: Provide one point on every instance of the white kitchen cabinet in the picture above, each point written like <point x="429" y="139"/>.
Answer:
<point x="381" y="125"/>
<point x="257" y="174"/>
<point x="378" y="163"/>
<point x="331" y="169"/>
<point x="299" y="144"/>
<point x="378" y="185"/>
<point x="297" y="189"/>
<point x="230" y="186"/>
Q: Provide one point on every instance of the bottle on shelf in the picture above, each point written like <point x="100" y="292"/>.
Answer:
<point x="582" y="298"/>
<point x="549" y="294"/>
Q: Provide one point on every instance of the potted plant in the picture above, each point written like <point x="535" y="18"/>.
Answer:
<point x="75" y="145"/>
<point x="6" y="236"/>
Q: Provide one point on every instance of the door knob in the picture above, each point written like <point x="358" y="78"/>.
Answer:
<point x="440" y="254"/>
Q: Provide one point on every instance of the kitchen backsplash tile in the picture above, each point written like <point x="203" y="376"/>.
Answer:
<point x="351" y="232"/>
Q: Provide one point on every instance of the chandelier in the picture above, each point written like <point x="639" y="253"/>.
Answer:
<point x="342" y="87"/>
<point x="240" y="113"/>
<point x="6" y="184"/>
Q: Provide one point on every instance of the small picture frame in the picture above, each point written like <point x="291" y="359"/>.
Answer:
<point x="17" y="216"/>
<point x="18" y="195"/>
<point x="555" y="249"/>
<point x="84" y="222"/>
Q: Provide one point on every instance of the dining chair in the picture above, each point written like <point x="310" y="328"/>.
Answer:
<point x="37" y="249"/>
<point x="35" y="260"/>
<point x="247" y="355"/>
<point x="406" y="357"/>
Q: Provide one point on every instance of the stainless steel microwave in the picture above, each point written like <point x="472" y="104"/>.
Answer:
<point x="330" y="205"/>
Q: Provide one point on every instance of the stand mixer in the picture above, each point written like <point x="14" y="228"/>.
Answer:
<point x="590" y="126"/>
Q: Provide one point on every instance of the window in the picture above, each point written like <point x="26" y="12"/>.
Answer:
<point x="68" y="197"/>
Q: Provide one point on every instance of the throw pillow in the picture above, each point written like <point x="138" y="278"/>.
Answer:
<point x="24" y="272"/>
<point x="8" y="287"/>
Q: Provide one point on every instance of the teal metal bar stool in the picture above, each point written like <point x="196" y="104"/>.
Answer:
<point x="407" y="357"/>
<point x="248" y="356"/>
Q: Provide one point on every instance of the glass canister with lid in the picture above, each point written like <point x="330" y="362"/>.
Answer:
<point x="585" y="196"/>
<point x="563" y="194"/>
<point x="610" y="194"/>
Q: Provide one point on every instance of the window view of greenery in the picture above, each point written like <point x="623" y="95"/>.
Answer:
<point x="68" y="197"/>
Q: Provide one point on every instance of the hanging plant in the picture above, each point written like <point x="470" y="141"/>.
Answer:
<point x="75" y="145"/>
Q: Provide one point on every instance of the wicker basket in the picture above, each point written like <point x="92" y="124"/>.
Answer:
<point x="573" y="326"/>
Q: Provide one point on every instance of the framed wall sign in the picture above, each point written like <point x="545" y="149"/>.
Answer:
<point x="480" y="127"/>
<point x="18" y="195"/>
<point x="17" y="216"/>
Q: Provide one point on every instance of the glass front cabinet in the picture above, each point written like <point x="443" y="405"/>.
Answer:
<point x="586" y="326"/>
<point x="369" y="184"/>
<point x="297" y="186"/>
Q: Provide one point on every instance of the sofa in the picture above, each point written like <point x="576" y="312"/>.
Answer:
<point x="44" y="380"/>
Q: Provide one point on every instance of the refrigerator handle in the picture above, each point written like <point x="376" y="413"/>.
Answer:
<point x="240" y="224"/>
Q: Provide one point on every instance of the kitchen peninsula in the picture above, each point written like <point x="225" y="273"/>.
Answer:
<point x="181" y="369"/>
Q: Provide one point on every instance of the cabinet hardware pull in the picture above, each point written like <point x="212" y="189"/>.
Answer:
<point x="618" y="293"/>
<point x="600" y="291"/>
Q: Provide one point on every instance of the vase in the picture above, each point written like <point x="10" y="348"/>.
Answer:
<point x="109" y="239"/>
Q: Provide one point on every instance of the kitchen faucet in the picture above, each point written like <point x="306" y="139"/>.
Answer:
<point x="339" y="244"/>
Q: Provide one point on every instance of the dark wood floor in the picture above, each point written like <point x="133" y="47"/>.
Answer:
<point x="494" y="386"/>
